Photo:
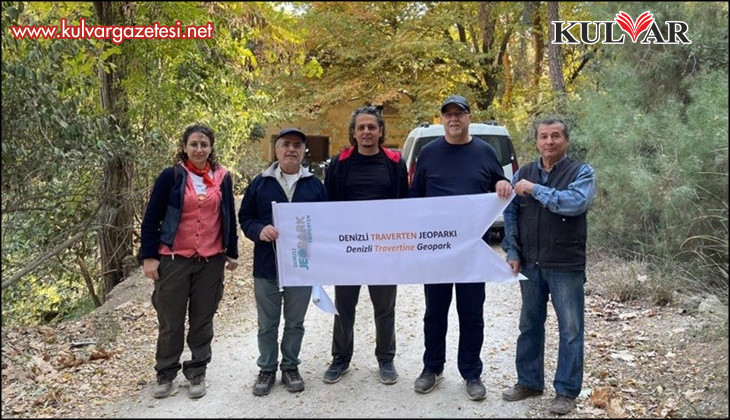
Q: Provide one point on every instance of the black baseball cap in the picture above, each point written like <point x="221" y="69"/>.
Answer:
<point x="458" y="100"/>
<point x="294" y="131"/>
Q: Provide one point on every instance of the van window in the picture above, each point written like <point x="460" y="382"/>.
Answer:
<point x="501" y="145"/>
<point x="407" y="146"/>
<point x="420" y="143"/>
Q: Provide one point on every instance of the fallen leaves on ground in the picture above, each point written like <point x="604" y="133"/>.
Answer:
<point x="640" y="360"/>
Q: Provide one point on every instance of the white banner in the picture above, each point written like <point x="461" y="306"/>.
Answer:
<point x="401" y="241"/>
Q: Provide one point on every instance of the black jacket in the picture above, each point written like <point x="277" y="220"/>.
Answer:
<point x="334" y="180"/>
<point x="256" y="213"/>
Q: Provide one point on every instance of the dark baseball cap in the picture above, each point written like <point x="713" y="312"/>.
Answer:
<point x="458" y="100"/>
<point x="294" y="131"/>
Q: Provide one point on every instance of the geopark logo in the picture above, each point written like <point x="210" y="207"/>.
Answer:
<point x="300" y="254"/>
<point x="592" y="32"/>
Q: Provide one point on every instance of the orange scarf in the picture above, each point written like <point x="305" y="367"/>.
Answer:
<point x="201" y="172"/>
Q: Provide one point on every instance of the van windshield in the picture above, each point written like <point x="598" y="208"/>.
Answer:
<point x="501" y="145"/>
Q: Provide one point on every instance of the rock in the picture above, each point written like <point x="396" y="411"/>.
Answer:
<point x="711" y="306"/>
<point x="136" y="288"/>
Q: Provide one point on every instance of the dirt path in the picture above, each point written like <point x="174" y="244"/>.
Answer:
<point x="359" y="394"/>
<point x="642" y="360"/>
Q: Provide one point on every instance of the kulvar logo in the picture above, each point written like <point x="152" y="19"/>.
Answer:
<point x="634" y="29"/>
<point x="592" y="32"/>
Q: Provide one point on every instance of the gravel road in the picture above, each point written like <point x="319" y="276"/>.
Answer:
<point x="233" y="370"/>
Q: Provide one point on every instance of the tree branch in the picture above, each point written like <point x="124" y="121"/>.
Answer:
<point x="34" y="264"/>
<point x="82" y="229"/>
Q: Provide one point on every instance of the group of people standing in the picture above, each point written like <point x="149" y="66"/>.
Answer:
<point x="189" y="235"/>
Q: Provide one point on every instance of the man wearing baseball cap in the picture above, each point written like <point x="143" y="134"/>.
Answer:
<point x="286" y="180"/>
<point x="457" y="100"/>
<point x="455" y="164"/>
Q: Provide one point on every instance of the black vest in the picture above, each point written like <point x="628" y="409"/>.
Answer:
<point x="547" y="238"/>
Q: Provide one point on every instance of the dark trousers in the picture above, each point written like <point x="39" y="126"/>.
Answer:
<point x="383" y="298"/>
<point x="470" y="308"/>
<point x="192" y="285"/>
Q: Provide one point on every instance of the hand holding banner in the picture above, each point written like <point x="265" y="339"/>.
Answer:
<point x="401" y="241"/>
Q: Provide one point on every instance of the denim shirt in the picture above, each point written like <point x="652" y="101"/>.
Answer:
<point x="574" y="200"/>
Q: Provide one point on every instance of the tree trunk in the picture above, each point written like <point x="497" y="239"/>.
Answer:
<point x="556" y="65"/>
<point x="487" y="86"/>
<point x="88" y="279"/>
<point x="507" y="67"/>
<point x="116" y="210"/>
<point x="539" y="43"/>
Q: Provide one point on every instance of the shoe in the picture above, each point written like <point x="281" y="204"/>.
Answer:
<point x="388" y="374"/>
<point x="427" y="381"/>
<point x="338" y="368"/>
<point x="562" y="405"/>
<point x="197" y="387"/>
<point x="292" y="380"/>
<point x="520" y="392"/>
<point x="263" y="383"/>
<point x="476" y="389"/>
<point x="163" y="389"/>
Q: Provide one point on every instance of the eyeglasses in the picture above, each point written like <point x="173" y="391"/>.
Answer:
<point x="459" y="114"/>
<point x="287" y="144"/>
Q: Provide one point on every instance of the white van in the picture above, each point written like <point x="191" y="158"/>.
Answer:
<point x="489" y="131"/>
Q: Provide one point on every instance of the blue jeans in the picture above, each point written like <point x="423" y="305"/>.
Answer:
<point x="567" y="295"/>
<point x="269" y="307"/>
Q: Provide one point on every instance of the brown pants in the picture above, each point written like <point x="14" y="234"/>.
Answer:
<point x="193" y="286"/>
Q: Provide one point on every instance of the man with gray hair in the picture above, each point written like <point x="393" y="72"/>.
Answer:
<point x="545" y="236"/>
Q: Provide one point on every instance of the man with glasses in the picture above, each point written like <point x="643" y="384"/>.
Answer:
<point x="286" y="180"/>
<point x="456" y="164"/>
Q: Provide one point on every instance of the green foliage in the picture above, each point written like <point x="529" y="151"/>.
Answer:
<point x="57" y="137"/>
<point x="660" y="153"/>
<point x="50" y="127"/>
<point x="652" y="120"/>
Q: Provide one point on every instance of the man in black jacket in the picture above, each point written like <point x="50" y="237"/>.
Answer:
<point x="365" y="171"/>
<point x="286" y="180"/>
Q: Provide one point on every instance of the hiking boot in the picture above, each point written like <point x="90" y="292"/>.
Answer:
<point x="520" y="392"/>
<point x="292" y="380"/>
<point x="427" y="381"/>
<point x="388" y="374"/>
<point x="562" y="405"/>
<point x="197" y="387"/>
<point x="334" y="373"/>
<point x="476" y="389"/>
<point x="163" y="389"/>
<point x="263" y="383"/>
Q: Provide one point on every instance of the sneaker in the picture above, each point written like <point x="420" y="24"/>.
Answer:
<point x="163" y="389"/>
<point x="427" y="381"/>
<point x="388" y="374"/>
<point x="520" y="392"/>
<point x="476" y="389"/>
<point x="562" y="405"/>
<point x="292" y="380"/>
<point x="197" y="387"/>
<point x="338" y="368"/>
<point x="263" y="383"/>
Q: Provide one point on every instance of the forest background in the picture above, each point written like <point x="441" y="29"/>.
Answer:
<point x="87" y="124"/>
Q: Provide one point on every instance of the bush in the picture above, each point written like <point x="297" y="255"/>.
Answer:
<point x="661" y="176"/>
